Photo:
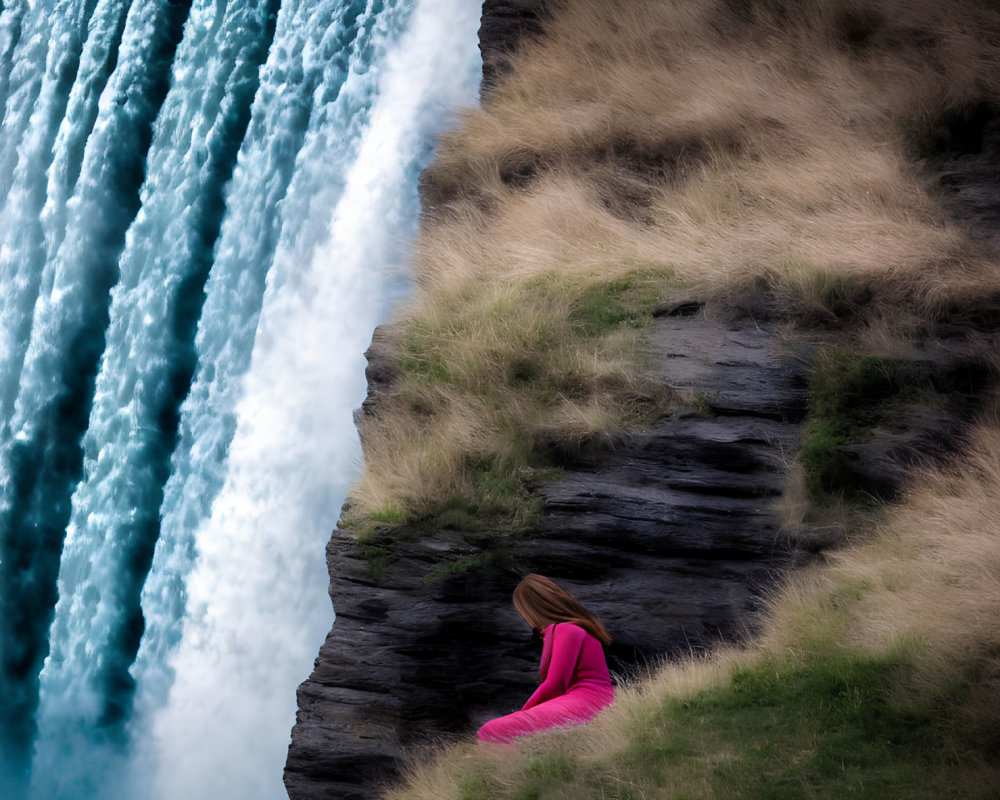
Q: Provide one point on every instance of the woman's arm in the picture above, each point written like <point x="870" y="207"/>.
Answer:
<point x="566" y="646"/>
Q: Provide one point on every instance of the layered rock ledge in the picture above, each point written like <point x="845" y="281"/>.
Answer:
<point x="671" y="535"/>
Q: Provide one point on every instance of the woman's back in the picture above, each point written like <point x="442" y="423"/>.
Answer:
<point x="589" y="667"/>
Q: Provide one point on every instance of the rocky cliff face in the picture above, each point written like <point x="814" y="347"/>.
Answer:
<point x="670" y="535"/>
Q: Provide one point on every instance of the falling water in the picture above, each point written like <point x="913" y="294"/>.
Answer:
<point x="205" y="205"/>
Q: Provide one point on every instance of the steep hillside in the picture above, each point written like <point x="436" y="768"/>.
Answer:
<point x="705" y="325"/>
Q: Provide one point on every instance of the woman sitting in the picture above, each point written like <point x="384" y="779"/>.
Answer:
<point x="575" y="684"/>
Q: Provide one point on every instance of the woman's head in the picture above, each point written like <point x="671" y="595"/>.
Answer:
<point x="540" y="602"/>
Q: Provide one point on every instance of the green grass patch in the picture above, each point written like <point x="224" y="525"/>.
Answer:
<point x="834" y="725"/>
<point x="478" y="784"/>
<point x="501" y="497"/>
<point x="526" y="328"/>
<point x="491" y="561"/>
<point x="379" y="558"/>
<point x="390" y="513"/>
<point x="828" y="728"/>
<point x="501" y="506"/>
<point x="701" y="405"/>
<point x="606" y="306"/>
<point x="849" y="395"/>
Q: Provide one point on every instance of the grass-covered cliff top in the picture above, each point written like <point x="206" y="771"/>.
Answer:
<point x="772" y="152"/>
<point x="647" y="149"/>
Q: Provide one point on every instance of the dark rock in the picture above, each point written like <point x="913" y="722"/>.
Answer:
<point x="504" y="24"/>
<point x="965" y="157"/>
<point x="732" y="367"/>
<point x="380" y="373"/>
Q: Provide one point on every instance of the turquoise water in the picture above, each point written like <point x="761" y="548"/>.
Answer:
<point x="207" y="204"/>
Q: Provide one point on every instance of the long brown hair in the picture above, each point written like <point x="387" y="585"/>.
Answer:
<point x="541" y="602"/>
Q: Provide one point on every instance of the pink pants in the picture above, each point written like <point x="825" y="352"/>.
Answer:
<point x="580" y="704"/>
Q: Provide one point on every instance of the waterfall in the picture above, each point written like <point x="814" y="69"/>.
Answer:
<point x="207" y="203"/>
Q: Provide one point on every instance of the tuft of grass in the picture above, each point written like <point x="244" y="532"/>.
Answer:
<point x="469" y="564"/>
<point x="604" y="306"/>
<point x="478" y="784"/>
<point x="701" y="405"/>
<point x="490" y="380"/>
<point x="389" y="513"/>
<point x="379" y="558"/>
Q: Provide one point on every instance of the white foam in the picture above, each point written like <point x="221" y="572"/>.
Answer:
<point x="257" y="608"/>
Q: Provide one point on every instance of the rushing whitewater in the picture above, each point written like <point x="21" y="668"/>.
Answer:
<point x="205" y="206"/>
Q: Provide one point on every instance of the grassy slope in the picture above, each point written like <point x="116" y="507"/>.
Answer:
<point x="651" y="150"/>
<point x="878" y="677"/>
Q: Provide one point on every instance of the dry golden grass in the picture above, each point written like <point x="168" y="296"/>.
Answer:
<point x="492" y="377"/>
<point x="931" y="569"/>
<point x="741" y="149"/>
<point x="729" y="148"/>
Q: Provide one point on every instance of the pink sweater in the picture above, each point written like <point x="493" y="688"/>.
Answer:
<point x="571" y="659"/>
<point x="575" y="686"/>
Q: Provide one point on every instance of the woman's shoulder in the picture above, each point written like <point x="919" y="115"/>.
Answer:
<point x="567" y="628"/>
